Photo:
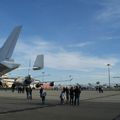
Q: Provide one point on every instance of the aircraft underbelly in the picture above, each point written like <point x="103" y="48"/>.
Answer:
<point x="5" y="69"/>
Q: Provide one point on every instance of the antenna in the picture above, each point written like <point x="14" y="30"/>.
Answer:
<point x="29" y="65"/>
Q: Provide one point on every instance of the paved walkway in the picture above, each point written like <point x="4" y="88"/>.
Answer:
<point x="93" y="106"/>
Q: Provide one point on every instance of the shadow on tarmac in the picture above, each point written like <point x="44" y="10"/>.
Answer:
<point x="31" y="108"/>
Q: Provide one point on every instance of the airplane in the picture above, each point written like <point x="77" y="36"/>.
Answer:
<point x="38" y="65"/>
<point x="6" y="63"/>
<point x="33" y="81"/>
<point x="25" y="80"/>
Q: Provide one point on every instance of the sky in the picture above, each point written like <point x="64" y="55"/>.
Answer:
<point x="77" y="37"/>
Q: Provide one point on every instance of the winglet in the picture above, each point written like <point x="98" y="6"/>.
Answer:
<point x="39" y="62"/>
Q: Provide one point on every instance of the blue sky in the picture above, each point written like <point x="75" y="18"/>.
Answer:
<point x="77" y="37"/>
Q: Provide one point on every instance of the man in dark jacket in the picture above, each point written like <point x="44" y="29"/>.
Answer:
<point x="77" y="92"/>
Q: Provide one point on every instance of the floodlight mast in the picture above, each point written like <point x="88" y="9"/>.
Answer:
<point x="108" y="65"/>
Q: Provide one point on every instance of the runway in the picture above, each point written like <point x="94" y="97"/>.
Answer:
<point x="93" y="106"/>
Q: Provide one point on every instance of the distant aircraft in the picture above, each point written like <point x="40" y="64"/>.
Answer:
<point x="6" y="82"/>
<point x="50" y="84"/>
<point x="38" y="65"/>
<point x="6" y="63"/>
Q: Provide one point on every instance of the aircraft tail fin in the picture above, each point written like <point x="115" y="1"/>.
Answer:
<point x="39" y="62"/>
<point x="8" y="47"/>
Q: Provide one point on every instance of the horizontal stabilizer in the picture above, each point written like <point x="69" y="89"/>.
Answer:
<point x="7" y="66"/>
<point x="39" y="62"/>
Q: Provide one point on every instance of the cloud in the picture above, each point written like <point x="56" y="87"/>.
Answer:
<point x="76" y="61"/>
<point x="80" y="44"/>
<point x="59" y="58"/>
<point x="110" y="11"/>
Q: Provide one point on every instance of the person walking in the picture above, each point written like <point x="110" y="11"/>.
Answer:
<point x="77" y="92"/>
<point x="71" y="95"/>
<point x="29" y="92"/>
<point x="41" y="91"/>
<point x="67" y="94"/>
<point x="62" y="96"/>
<point x="43" y="95"/>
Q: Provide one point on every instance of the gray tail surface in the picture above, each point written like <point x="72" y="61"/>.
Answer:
<point x="9" y="45"/>
<point x="39" y="62"/>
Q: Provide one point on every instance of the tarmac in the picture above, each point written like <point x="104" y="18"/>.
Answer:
<point x="93" y="106"/>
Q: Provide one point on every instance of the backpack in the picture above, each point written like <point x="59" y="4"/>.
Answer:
<point x="44" y="94"/>
<point x="62" y="95"/>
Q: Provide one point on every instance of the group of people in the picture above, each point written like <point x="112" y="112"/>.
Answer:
<point x="71" y="95"/>
<point x="29" y="94"/>
<point x="100" y="89"/>
<point x="68" y="95"/>
<point x="28" y="90"/>
<point x="19" y="88"/>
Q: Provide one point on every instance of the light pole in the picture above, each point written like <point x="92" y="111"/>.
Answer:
<point x="109" y="73"/>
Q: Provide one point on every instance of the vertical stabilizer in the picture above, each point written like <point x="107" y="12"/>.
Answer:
<point x="39" y="62"/>
<point x="9" y="45"/>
